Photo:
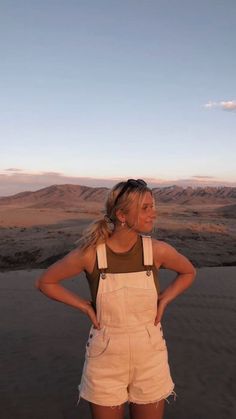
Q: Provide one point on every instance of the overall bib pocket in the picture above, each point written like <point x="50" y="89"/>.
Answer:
<point x="141" y="299"/>
<point x="113" y="313"/>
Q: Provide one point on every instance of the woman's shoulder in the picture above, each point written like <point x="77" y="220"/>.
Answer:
<point x="160" y="248"/>
<point x="89" y="257"/>
<point x="159" y="244"/>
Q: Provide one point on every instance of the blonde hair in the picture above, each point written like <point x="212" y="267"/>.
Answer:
<point x="100" y="230"/>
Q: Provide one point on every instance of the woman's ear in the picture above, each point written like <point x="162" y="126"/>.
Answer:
<point x="120" y="216"/>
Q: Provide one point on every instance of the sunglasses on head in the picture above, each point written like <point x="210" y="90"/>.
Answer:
<point x="130" y="182"/>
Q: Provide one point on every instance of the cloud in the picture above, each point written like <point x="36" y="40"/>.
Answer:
<point x="229" y="105"/>
<point x="13" y="182"/>
<point x="17" y="180"/>
<point x="202" y="181"/>
<point x="202" y="177"/>
<point x="13" y="169"/>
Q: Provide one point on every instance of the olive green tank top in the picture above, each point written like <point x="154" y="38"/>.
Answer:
<point x="131" y="261"/>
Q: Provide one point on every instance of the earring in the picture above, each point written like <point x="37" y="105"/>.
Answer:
<point x="123" y="224"/>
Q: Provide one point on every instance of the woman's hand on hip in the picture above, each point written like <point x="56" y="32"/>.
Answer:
<point x="87" y="308"/>
<point x="161" y="306"/>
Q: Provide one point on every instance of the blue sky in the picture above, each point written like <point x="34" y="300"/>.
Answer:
<point x="115" y="89"/>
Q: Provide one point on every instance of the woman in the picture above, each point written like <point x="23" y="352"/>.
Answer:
<point x="126" y="353"/>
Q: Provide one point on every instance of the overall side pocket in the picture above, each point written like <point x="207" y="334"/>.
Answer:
<point x="97" y="344"/>
<point x="156" y="338"/>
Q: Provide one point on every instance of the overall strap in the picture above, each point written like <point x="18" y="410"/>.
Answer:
<point x="102" y="258"/>
<point x="147" y="252"/>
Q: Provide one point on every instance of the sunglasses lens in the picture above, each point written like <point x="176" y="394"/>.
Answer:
<point x="142" y="182"/>
<point x="137" y="182"/>
<point x="132" y="182"/>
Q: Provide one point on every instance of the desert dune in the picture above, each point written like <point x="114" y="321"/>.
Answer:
<point x="43" y="343"/>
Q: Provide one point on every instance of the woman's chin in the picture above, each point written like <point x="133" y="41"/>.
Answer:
<point x="147" y="228"/>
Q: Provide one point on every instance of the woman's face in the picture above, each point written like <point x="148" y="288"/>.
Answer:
<point x="142" y="220"/>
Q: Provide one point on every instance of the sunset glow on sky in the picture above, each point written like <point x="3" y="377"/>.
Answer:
<point x="109" y="90"/>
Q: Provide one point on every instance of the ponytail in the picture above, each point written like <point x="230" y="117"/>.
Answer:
<point x="97" y="232"/>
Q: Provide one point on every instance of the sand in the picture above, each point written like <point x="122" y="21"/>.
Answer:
<point x="42" y="348"/>
<point x="33" y="238"/>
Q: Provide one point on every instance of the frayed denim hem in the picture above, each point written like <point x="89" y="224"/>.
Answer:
<point x="172" y="393"/>
<point x="165" y="397"/>
<point x="79" y="397"/>
<point x="119" y="405"/>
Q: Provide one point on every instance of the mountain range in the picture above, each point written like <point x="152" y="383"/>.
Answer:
<point x="72" y="196"/>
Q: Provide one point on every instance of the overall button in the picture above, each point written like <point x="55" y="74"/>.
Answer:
<point x="87" y="344"/>
<point x="91" y="335"/>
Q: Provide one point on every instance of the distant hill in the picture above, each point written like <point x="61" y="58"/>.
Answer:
<point x="73" y="196"/>
<point x="57" y="196"/>
<point x="196" y="196"/>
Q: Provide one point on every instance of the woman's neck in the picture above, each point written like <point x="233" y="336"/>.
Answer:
<point x="122" y="241"/>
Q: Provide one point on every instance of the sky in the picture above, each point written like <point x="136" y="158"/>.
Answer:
<point x="97" y="91"/>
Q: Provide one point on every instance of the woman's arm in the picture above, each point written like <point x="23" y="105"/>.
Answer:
<point x="72" y="264"/>
<point x="167" y="256"/>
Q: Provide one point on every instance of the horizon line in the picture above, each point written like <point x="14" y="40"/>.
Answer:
<point x="96" y="187"/>
<point x="15" y="180"/>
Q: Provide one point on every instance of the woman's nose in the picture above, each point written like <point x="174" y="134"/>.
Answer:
<point x="153" y="213"/>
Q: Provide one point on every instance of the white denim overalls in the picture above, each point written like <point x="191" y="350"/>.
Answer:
<point x="127" y="359"/>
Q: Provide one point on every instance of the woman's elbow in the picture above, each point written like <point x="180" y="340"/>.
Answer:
<point x="193" y="272"/>
<point x="38" y="284"/>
